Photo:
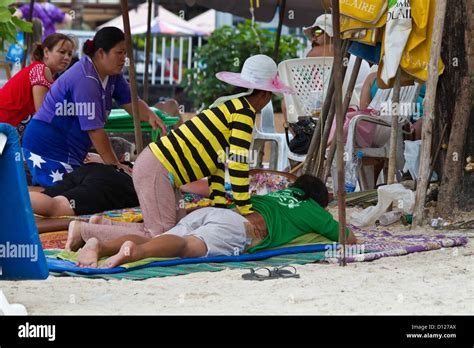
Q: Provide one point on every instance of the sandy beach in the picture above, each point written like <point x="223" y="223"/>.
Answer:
<point x="437" y="282"/>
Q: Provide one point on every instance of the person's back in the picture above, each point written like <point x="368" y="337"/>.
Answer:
<point x="296" y="211"/>
<point x="200" y="147"/>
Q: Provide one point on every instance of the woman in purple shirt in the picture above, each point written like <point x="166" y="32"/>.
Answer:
<point x="75" y="110"/>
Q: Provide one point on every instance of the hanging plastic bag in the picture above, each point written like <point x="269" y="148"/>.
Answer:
<point x="412" y="157"/>
<point x="15" y="50"/>
<point x="396" y="194"/>
<point x="416" y="56"/>
<point x="397" y="31"/>
<point x="365" y="11"/>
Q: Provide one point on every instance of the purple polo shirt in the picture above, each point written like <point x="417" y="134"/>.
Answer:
<point x="76" y="103"/>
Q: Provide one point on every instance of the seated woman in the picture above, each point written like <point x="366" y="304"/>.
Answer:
<point x="74" y="113"/>
<point x="33" y="82"/>
<point x="280" y="217"/>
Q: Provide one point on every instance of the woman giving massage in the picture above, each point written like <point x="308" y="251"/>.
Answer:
<point x="279" y="217"/>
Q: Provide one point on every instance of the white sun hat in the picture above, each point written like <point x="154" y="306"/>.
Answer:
<point x="324" y="22"/>
<point x="259" y="72"/>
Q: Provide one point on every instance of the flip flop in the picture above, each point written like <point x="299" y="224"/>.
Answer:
<point x="253" y="275"/>
<point x="277" y="272"/>
<point x="285" y="273"/>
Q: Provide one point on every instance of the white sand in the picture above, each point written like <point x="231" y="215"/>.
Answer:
<point x="434" y="282"/>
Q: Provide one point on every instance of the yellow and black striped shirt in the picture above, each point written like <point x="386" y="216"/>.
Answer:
<point x="201" y="146"/>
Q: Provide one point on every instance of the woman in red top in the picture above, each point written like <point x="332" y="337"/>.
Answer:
<point x="23" y="94"/>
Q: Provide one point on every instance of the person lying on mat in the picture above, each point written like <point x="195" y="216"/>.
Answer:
<point x="90" y="189"/>
<point x="280" y="217"/>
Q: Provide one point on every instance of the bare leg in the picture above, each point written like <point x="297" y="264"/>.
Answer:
<point x="50" y="206"/>
<point x="80" y="232"/>
<point x="74" y="238"/>
<point x="163" y="246"/>
<point x="93" y="250"/>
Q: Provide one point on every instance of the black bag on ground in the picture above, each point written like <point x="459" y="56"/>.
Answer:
<point x="303" y="130"/>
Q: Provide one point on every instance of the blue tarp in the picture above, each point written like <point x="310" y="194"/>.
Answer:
<point x="21" y="254"/>
<point x="57" y="265"/>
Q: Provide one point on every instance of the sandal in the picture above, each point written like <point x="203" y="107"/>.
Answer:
<point x="256" y="275"/>
<point x="277" y="272"/>
<point x="285" y="273"/>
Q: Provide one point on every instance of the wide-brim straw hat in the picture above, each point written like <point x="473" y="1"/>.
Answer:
<point x="259" y="72"/>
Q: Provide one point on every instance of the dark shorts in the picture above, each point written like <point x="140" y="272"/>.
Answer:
<point x="94" y="188"/>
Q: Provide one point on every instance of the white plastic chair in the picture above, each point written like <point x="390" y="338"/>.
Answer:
<point x="305" y="76"/>
<point x="408" y="96"/>
<point x="265" y="131"/>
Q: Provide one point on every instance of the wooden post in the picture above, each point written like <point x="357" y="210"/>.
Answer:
<point x="133" y="80"/>
<point x="27" y="37"/>
<point x="327" y="114"/>
<point x="341" y="194"/>
<point x="147" y="52"/>
<point x="347" y="101"/>
<point x="394" y="129"/>
<point x="280" y="26"/>
<point x="312" y="150"/>
<point x="428" y="118"/>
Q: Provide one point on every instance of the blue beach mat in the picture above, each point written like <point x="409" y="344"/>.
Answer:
<point x="58" y="265"/>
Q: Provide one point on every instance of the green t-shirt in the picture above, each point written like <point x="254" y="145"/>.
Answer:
<point x="287" y="218"/>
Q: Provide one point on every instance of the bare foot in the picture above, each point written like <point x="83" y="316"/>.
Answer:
<point x="89" y="255"/>
<point x="74" y="238"/>
<point x="96" y="219"/>
<point x="128" y="252"/>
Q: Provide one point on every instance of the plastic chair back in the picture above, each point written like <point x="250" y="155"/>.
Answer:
<point x="308" y="77"/>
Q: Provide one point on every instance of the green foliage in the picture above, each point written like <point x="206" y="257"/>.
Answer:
<point x="226" y="50"/>
<point x="10" y="23"/>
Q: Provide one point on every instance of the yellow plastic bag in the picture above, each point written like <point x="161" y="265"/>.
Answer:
<point x="368" y="11"/>
<point x="348" y="23"/>
<point x="416" y="55"/>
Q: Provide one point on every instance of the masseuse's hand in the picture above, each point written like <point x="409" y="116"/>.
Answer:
<point x="259" y="223"/>
<point x="156" y="122"/>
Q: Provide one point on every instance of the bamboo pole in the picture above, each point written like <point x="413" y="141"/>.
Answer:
<point x="327" y="114"/>
<point x="147" y="51"/>
<point x="341" y="194"/>
<point x="428" y="118"/>
<point x="27" y="36"/>
<point x="312" y="150"/>
<point x="281" y="17"/>
<point x="394" y="129"/>
<point x="347" y="101"/>
<point x="133" y="80"/>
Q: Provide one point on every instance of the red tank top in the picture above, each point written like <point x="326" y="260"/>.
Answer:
<point x="16" y="96"/>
